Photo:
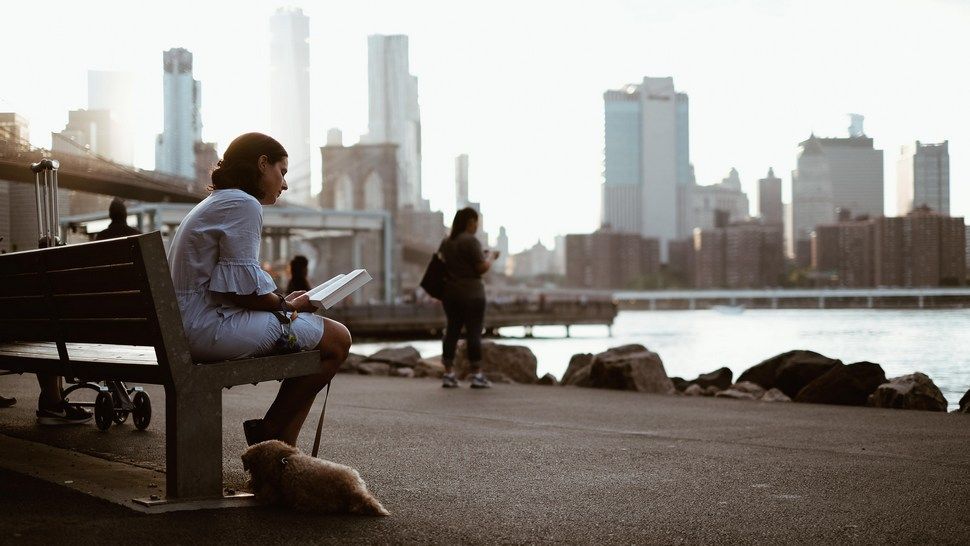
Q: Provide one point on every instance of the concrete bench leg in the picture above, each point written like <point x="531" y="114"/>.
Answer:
<point x="193" y="444"/>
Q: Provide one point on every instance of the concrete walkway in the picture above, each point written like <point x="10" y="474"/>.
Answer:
<point x="545" y="464"/>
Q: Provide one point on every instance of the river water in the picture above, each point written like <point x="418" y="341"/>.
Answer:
<point x="935" y="342"/>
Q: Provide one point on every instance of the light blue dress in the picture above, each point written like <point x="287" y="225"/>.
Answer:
<point x="214" y="251"/>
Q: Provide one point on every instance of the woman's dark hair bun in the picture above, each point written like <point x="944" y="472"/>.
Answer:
<point x="239" y="166"/>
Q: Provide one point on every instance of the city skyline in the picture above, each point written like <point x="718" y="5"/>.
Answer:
<point x="528" y="107"/>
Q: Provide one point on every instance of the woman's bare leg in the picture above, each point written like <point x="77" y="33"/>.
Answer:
<point x="285" y="417"/>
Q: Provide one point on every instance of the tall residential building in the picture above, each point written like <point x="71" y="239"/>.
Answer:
<point x="18" y="202"/>
<point x="461" y="196"/>
<point x="87" y="132"/>
<point x="502" y="245"/>
<point x="923" y="248"/>
<point x="769" y="199"/>
<point x="923" y="178"/>
<point x="832" y="174"/>
<point x="966" y="235"/>
<point x="647" y="159"/>
<point x="844" y="252"/>
<point x="706" y="203"/>
<point x="114" y="91"/>
<point x="289" y="52"/>
<point x="534" y="261"/>
<point x="742" y="255"/>
<point x="610" y="259"/>
<point x="394" y="115"/>
<point x="461" y="181"/>
<point x="175" y="147"/>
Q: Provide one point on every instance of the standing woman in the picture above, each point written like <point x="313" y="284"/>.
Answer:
<point x="298" y="274"/>
<point x="464" y="295"/>
<point x="227" y="300"/>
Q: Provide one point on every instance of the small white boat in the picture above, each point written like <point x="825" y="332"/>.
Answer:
<point x="728" y="309"/>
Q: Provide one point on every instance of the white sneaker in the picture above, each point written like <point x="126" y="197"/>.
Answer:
<point x="479" y="381"/>
<point x="449" y="381"/>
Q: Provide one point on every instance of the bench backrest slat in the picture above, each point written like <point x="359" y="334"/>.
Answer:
<point x="115" y="292"/>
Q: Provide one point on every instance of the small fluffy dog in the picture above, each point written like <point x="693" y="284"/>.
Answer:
<point x="282" y="474"/>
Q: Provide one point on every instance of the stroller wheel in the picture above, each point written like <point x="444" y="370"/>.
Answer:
<point x="142" y="412"/>
<point x="104" y="410"/>
<point x="120" y="417"/>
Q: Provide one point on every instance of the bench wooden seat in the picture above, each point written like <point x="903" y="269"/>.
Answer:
<point x="107" y="311"/>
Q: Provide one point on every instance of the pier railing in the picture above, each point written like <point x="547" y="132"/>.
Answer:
<point x="428" y="320"/>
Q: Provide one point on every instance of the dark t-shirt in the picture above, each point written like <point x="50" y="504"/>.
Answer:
<point x="462" y="254"/>
<point x="116" y="229"/>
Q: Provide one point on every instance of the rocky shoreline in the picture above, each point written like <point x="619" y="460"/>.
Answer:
<point x="800" y="376"/>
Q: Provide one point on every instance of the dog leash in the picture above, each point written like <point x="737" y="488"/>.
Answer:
<point x="316" y="439"/>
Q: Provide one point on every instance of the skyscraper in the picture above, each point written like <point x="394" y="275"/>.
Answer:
<point x="835" y="173"/>
<point x="923" y="178"/>
<point x="769" y="199"/>
<point x="461" y="181"/>
<point x="502" y="245"/>
<point x="394" y="114"/>
<point x="647" y="159"/>
<point x="115" y="92"/>
<point x="289" y="51"/>
<point x="87" y="132"/>
<point x="18" y="202"/>
<point x="175" y="147"/>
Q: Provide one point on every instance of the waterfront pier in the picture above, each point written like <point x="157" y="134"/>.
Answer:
<point x="820" y="298"/>
<point x="428" y="321"/>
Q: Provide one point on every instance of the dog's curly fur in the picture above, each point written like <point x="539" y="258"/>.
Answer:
<point x="282" y="474"/>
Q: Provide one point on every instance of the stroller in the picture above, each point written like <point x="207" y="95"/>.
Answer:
<point x="115" y="401"/>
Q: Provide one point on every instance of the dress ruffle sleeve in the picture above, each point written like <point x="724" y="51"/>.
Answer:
<point x="237" y="270"/>
<point x="240" y="277"/>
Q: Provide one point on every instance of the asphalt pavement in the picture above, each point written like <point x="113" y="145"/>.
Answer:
<point x="527" y="463"/>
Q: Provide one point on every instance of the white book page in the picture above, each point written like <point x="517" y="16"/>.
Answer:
<point x="316" y="289"/>
<point x="340" y="288"/>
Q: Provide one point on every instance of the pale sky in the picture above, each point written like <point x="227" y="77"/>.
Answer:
<point x="518" y="85"/>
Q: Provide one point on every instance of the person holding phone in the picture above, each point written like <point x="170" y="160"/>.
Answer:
<point x="464" y="296"/>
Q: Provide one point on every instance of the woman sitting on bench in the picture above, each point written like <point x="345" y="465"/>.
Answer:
<point x="228" y="301"/>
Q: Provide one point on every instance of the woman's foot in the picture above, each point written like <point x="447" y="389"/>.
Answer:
<point x="255" y="431"/>
<point x="479" y="381"/>
<point x="449" y="381"/>
<point x="62" y="413"/>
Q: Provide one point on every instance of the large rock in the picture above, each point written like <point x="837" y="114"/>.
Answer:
<point x="774" y="395"/>
<point x="350" y="365"/>
<point x="515" y="362"/>
<point x="629" y="367"/>
<point x="720" y="378"/>
<point x="547" y="379"/>
<point x="374" y="368"/>
<point x="680" y="383"/>
<point x="914" y="391"/>
<point x="848" y="385"/>
<point x="790" y="371"/>
<point x="795" y="376"/>
<point x="577" y="363"/>
<point x="397" y="356"/>
<point x="965" y="403"/>
<point x="694" y="390"/>
<point x="429" y="367"/>
<point x="742" y="390"/>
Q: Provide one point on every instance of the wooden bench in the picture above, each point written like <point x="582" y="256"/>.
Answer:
<point x="93" y="312"/>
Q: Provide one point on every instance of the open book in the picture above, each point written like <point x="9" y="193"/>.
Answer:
<point x="331" y="292"/>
